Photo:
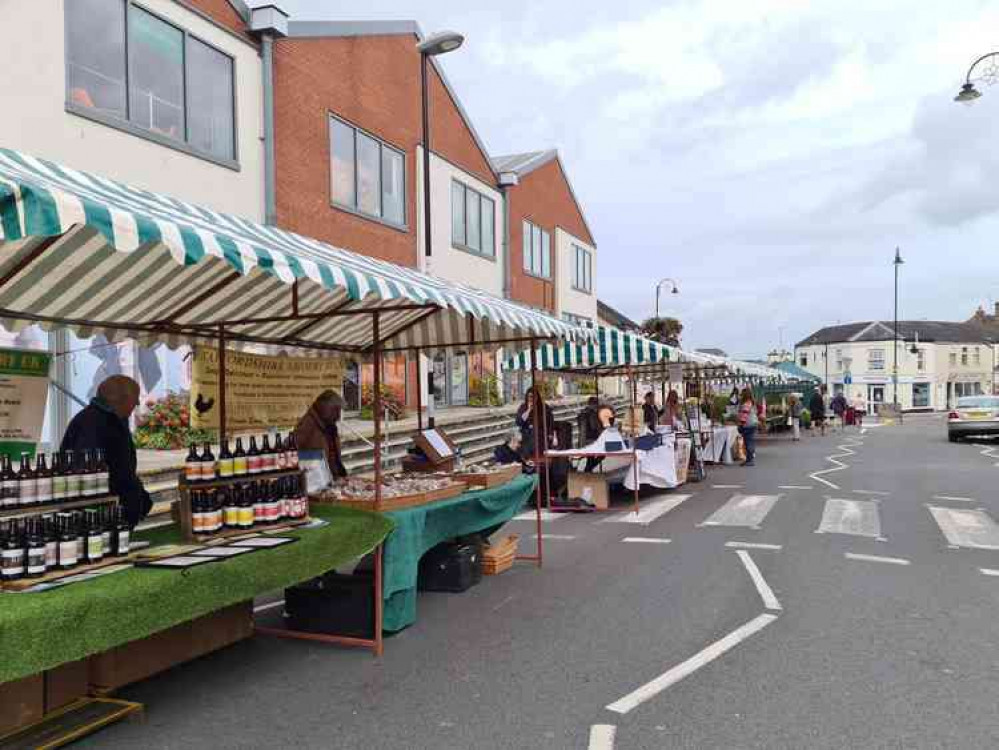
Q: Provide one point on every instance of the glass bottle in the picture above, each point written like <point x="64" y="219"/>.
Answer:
<point x="260" y="503"/>
<point x="67" y="542"/>
<point x="43" y="480"/>
<point x="280" y="457"/>
<point x="58" y="477"/>
<point x="225" y="461"/>
<point x="103" y="473"/>
<point x="239" y="460"/>
<point x="26" y="482"/>
<point x="71" y="471"/>
<point x="34" y="549"/>
<point x="208" y="468"/>
<point x="123" y="534"/>
<point x="245" y="512"/>
<point x="11" y="553"/>
<point x="253" y="462"/>
<point x="192" y="465"/>
<point x="230" y="500"/>
<point x="95" y="537"/>
<point x="51" y="542"/>
<point x="9" y="485"/>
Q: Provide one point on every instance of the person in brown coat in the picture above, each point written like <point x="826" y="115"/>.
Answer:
<point x="317" y="430"/>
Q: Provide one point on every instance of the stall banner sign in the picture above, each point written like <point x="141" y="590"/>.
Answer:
<point x="24" y="392"/>
<point x="261" y="391"/>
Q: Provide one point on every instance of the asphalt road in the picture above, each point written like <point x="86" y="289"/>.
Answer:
<point x="897" y="649"/>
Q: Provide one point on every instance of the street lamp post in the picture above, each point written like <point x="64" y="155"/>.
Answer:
<point x="989" y="75"/>
<point x="894" y="369"/>
<point x="674" y="290"/>
<point x="436" y="44"/>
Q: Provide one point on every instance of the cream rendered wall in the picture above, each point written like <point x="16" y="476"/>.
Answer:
<point x="448" y="262"/>
<point x="568" y="299"/>
<point x="33" y="90"/>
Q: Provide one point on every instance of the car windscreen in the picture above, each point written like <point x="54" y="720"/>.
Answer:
<point x="978" y="402"/>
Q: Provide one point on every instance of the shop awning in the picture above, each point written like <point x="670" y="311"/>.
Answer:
<point x="97" y="256"/>
<point x="615" y="352"/>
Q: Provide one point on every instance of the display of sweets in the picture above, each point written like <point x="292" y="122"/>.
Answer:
<point x="397" y="485"/>
<point x="243" y="505"/>
<point x="32" y="547"/>
<point x="484" y="469"/>
<point x="60" y="477"/>
<point x="261" y="457"/>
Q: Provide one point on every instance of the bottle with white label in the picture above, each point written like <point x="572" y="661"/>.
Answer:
<point x="9" y="485"/>
<point x="26" y="482"/>
<point x="67" y="542"/>
<point x="71" y="470"/>
<point x="43" y="480"/>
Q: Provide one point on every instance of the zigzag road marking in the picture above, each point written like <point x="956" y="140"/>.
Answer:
<point x="847" y="449"/>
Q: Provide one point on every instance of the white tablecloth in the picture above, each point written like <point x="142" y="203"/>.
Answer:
<point x="719" y="446"/>
<point x="662" y="467"/>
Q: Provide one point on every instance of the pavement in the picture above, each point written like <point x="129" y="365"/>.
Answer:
<point x="842" y="593"/>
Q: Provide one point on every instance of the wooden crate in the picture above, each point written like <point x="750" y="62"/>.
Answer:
<point x="495" y="479"/>
<point x="499" y="556"/>
<point x="597" y="483"/>
<point x="400" y="502"/>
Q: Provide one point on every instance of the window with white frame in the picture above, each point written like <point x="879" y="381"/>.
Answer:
<point x="473" y="220"/>
<point x="952" y="359"/>
<point x="367" y="175"/>
<point x="582" y="269"/>
<point x="803" y="359"/>
<point x="920" y="359"/>
<point x="964" y="356"/>
<point x="537" y="244"/>
<point x="976" y="356"/>
<point x="125" y="63"/>
<point x="839" y="359"/>
<point x="875" y="359"/>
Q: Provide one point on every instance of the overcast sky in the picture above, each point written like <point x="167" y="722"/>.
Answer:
<point x="769" y="155"/>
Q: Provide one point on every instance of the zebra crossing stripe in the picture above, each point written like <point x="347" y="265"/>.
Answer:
<point x="743" y="510"/>
<point x="854" y="517"/>
<point x="648" y="512"/>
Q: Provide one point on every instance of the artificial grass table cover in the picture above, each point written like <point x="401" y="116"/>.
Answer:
<point x="39" y="631"/>
<point x="420" y="528"/>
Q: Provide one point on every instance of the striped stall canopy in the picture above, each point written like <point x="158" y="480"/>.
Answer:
<point x="610" y="349"/>
<point x="86" y="252"/>
<point x="615" y="352"/>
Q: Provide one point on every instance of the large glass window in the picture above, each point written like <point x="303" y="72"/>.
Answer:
<point x="582" y="270"/>
<point x="473" y="220"/>
<point x="95" y="51"/>
<point x="537" y="251"/>
<point x="127" y="63"/>
<point x="210" y="116"/>
<point x="876" y="359"/>
<point x="366" y="175"/>
<point x="920" y="395"/>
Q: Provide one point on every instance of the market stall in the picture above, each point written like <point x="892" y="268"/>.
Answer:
<point x="614" y="353"/>
<point x="86" y="253"/>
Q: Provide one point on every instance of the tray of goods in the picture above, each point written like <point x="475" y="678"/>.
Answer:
<point x="399" y="491"/>
<point x="488" y="475"/>
<point x="498" y="556"/>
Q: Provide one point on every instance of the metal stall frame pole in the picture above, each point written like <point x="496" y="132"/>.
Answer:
<point x="376" y="408"/>
<point x="537" y="462"/>
<point x="634" y="434"/>
<point x="419" y="390"/>
<point x="222" y="384"/>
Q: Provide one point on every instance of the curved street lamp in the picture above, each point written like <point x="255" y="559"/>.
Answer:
<point x="989" y="75"/>
<point x="659" y="286"/>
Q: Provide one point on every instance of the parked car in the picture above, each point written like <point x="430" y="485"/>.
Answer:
<point x="973" y="415"/>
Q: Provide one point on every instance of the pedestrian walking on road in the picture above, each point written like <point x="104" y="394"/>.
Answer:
<point x="749" y="421"/>
<point x="817" y="407"/>
<point x="839" y="409"/>
<point x="794" y="415"/>
<point x="859" y="409"/>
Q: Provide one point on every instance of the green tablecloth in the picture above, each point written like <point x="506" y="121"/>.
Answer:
<point x="419" y="529"/>
<point x="43" y="630"/>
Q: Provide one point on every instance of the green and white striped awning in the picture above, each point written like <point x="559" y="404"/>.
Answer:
<point x="92" y="254"/>
<point x="615" y="352"/>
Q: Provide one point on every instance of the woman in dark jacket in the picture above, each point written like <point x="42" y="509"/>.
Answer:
<point x="525" y="421"/>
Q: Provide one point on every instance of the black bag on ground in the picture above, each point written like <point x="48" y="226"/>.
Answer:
<point x="333" y="604"/>
<point x="452" y="567"/>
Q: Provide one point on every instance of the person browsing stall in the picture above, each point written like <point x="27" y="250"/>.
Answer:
<point x="672" y="413"/>
<point x="103" y="425"/>
<point x="317" y="430"/>
<point x="651" y="412"/>
<point x="509" y="452"/>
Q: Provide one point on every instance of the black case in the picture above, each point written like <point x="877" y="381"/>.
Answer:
<point x="333" y="604"/>
<point x="450" y="567"/>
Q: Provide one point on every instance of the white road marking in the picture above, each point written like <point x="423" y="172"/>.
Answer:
<point x="794" y="486"/>
<point x="876" y="558"/>
<point x="989" y="452"/>
<point x="989" y="571"/>
<point x="546" y="515"/>
<point x="847" y="449"/>
<point x="557" y="537"/>
<point x="686" y="668"/>
<point x="726" y="486"/>
<point x="602" y="737"/>
<point x="766" y="593"/>
<point x="264" y="607"/>
<point x="754" y="545"/>
<point x="743" y="510"/>
<point x="645" y="540"/>
<point x="966" y="528"/>
<point x="648" y="512"/>
<point x="952" y="498"/>
<point x="870" y="492"/>
<point x="856" y="517"/>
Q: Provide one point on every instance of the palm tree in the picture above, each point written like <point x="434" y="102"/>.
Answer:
<point x="663" y="330"/>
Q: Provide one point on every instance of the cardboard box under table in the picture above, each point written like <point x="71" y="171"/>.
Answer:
<point x="420" y="528"/>
<point x="95" y="636"/>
